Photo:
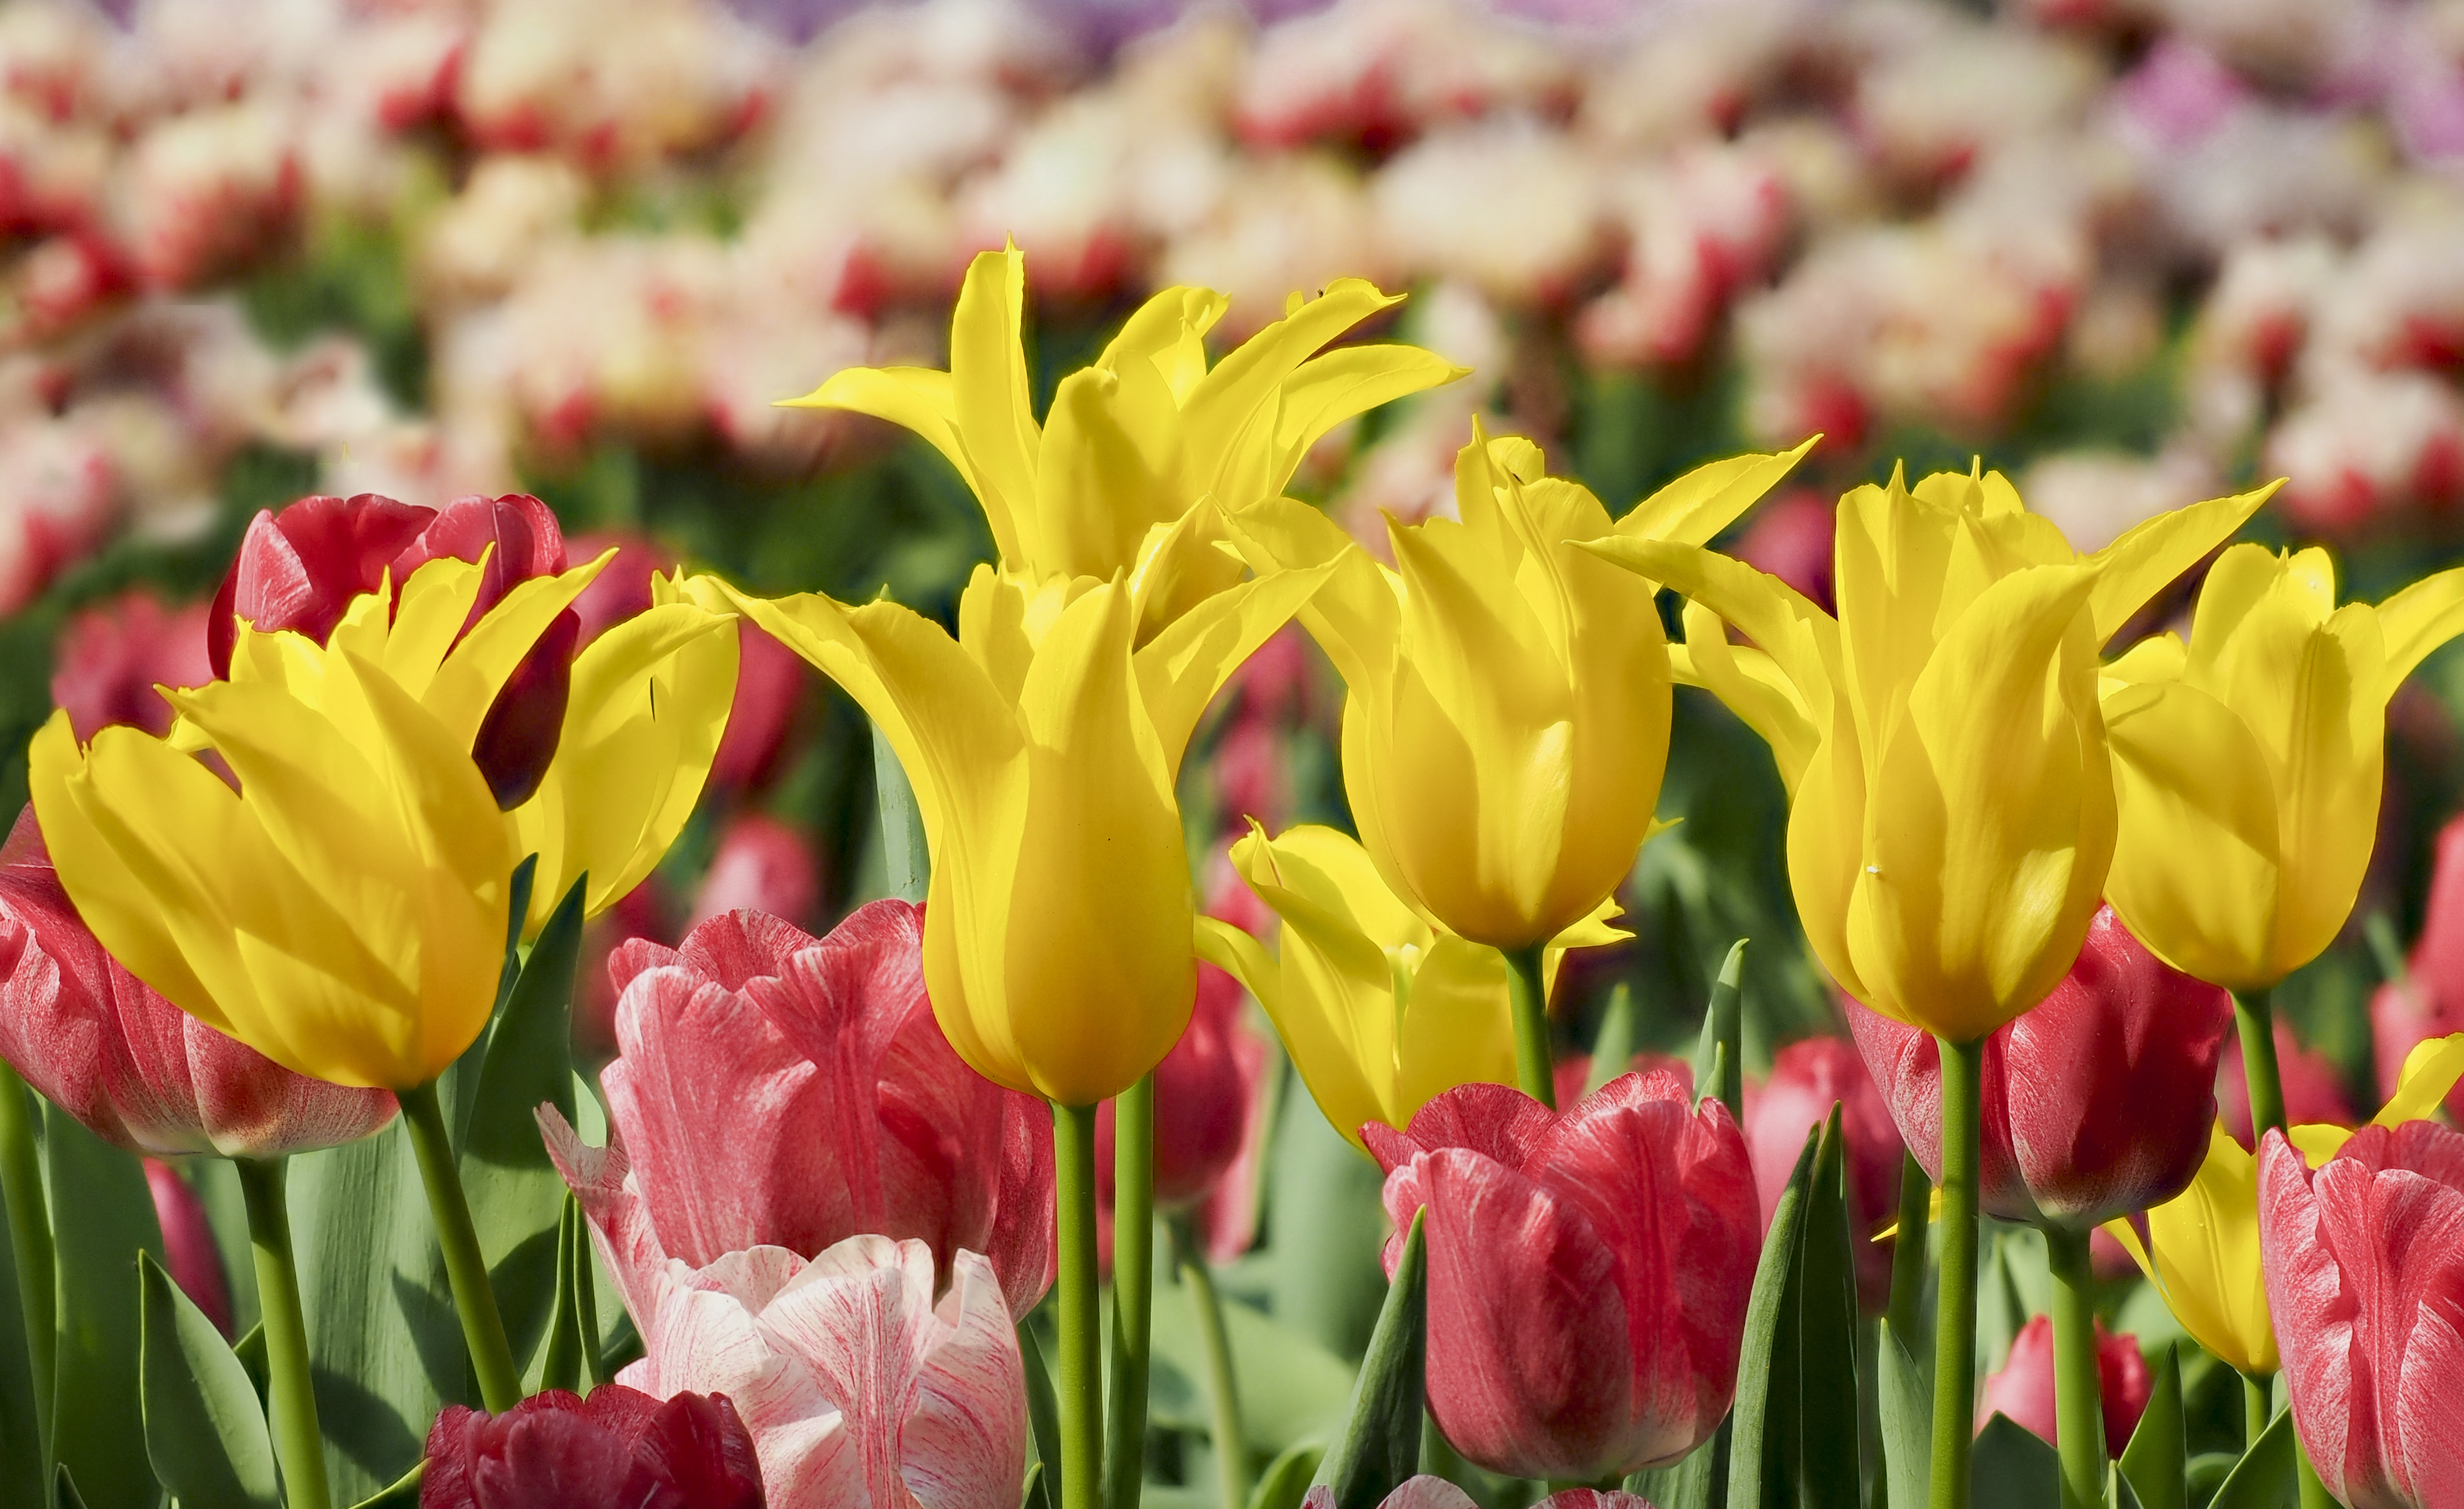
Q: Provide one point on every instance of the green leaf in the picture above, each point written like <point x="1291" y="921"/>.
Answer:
<point x="1718" y="1071"/>
<point x="403" y="1494"/>
<point x="560" y="1363"/>
<point x="1694" y="1483"/>
<point x="516" y="1197"/>
<point x="2002" y="1312"/>
<point x="902" y="824"/>
<point x="1285" y="1481"/>
<point x="1043" y="1406"/>
<point x="2118" y="1492"/>
<point x="1328" y="1227"/>
<point x="1612" y="1049"/>
<point x="250" y="1349"/>
<point x="1381" y="1444"/>
<point x="217" y="1185"/>
<point x="459" y="1088"/>
<point x="64" y="1489"/>
<point x="1796" y="1423"/>
<point x="103" y="1217"/>
<point x="2156" y="1464"/>
<point x="204" y="1429"/>
<point x="2015" y="1468"/>
<point x="1292" y="1389"/>
<point x="2263" y="1478"/>
<point x="21" y="1436"/>
<point x="1038" y="1492"/>
<point x="1905" y="1406"/>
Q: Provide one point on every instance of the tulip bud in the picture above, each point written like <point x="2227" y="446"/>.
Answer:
<point x="110" y="658"/>
<point x="136" y="1069"/>
<point x="299" y="568"/>
<point x="762" y="865"/>
<point x="188" y="1249"/>
<point x="2314" y="1092"/>
<point x="620" y="1446"/>
<point x="1588" y="1271"/>
<point x="1807" y="1078"/>
<point x="1206" y="1095"/>
<point x="2097" y="1103"/>
<point x="2023" y="1390"/>
<point x="2362" y="1264"/>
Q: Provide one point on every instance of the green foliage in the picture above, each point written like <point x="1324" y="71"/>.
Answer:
<point x="2014" y="1468"/>
<point x="2157" y="1461"/>
<point x="102" y="1219"/>
<point x="1381" y="1444"/>
<point x="206" y="1434"/>
<point x="2264" y="1477"/>
<point x="1795" y="1444"/>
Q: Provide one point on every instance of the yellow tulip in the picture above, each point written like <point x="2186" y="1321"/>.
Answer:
<point x="1951" y="808"/>
<point x="2247" y="761"/>
<point x="1507" y="719"/>
<point x="343" y="911"/>
<point x="1044" y="750"/>
<point x="1379" y="1011"/>
<point x="2202" y="1255"/>
<point x="1112" y="481"/>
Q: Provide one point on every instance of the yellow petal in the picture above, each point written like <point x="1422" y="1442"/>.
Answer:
<point x="2151" y="554"/>
<point x="2429" y="1071"/>
<point x="1188" y="662"/>
<point x="1750" y="684"/>
<point x="989" y="392"/>
<point x="1356" y="618"/>
<point x="1458" y="1027"/>
<point x="466" y="684"/>
<point x="2420" y="618"/>
<point x="2206" y="1258"/>
<point x="1696" y="506"/>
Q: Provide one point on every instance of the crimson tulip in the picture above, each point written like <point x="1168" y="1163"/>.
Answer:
<point x="762" y="865"/>
<point x="1206" y="1092"/>
<point x="2314" y="1092"/>
<point x="2095" y="1103"/>
<point x="1807" y="1078"/>
<point x="773" y="1089"/>
<point x="2364" y="1265"/>
<point x="110" y="658"/>
<point x="1554" y="1235"/>
<point x="620" y="1446"/>
<point x="1426" y="1492"/>
<point x="1570" y="1075"/>
<point x="2024" y="1389"/>
<point x="136" y="1069"/>
<point x="299" y="569"/>
<point x="189" y="1250"/>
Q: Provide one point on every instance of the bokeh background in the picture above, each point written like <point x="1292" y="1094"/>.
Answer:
<point x="2133" y="252"/>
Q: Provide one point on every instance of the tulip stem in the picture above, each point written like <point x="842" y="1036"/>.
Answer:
<point x="2257" y="1408"/>
<point x="1908" y="1250"/>
<point x="1955" y="1331"/>
<point x="2252" y="1013"/>
<point x="466" y="1267"/>
<point x="293" y="1403"/>
<point x="1528" y="987"/>
<point x="1125" y="1428"/>
<point x="1082" y="1363"/>
<point x="30" y="1238"/>
<point x="2079" y="1413"/>
<point x="1222" y="1388"/>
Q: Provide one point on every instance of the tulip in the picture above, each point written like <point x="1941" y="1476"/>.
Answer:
<point x="853" y="1381"/>
<point x="2096" y="1104"/>
<point x="1551" y="1238"/>
<point x="772" y="1089"/>
<point x="762" y="865"/>
<point x="2312" y="1090"/>
<point x="2428" y="1001"/>
<point x="2364" y="1263"/>
<point x="1206" y="1092"/>
<point x="2023" y="1390"/>
<point x="109" y="658"/>
<point x="1506" y="720"/>
<point x="139" y="1072"/>
<point x="300" y="569"/>
<point x="1112" y="483"/>
<point x="1379" y="1011"/>
<point x="559" y="1450"/>
<point x="189" y="1250"/>
<point x="2248" y="762"/>
<point x="1426" y="1492"/>
<point x="1806" y="1080"/>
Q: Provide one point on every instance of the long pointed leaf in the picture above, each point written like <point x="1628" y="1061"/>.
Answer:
<point x="2264" y="1478"/>
<point x="1693" y="1484"/>
<point x="1768" y="1338"/>
<point x="903" y="854"/>
<point x="2014" y="1468"/>
<point x="560" y="1364"/>
<point x="1717" y="1076"/>
<point x="1905" y="1406"/>
<point x="21" y="1436"/>
<point x="103" y="1217"/>
<point x="1380" y="1445"/>
<point x="204" y="1429"/>
<point x="1827" y="1468"/>
<point x="1614" y="1048"/>
<point x="1286" y="1478"/>
<point x="2157" y="1462"/>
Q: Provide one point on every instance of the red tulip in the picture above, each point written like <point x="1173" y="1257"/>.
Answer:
<point x="299" y="568"/>
<point x="138" y="1070"/>
<point x="1789" y="538"/>
<point x="188" y="1250"/>
<point x="2024" y="1389"/>
<point x="647" y="912"/>
<point x="2097" y="1102"/>
<point x="1206" y="1092"/>
<point x="110" y="658"/>
<point x="762" y="865"/>
<point x="2312" y="1090"/>
<point x="620" y="1446"/>
<point x="1807" y="1078"/>
<point x="1436" y="1493"/>
<point x="775" y="1089"/>
<point x="1554" y="1235"/>
<point x="1569" y="1074"/>
<point x="2365" y="1264"/>
<point x="2428" y="1002"/>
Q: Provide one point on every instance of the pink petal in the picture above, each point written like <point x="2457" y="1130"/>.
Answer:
<point x="2313" y="1314"/>
<point x="965" y="1445"/>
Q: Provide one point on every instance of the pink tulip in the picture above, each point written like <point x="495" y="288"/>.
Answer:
<point x="1807" y="1078"/>
<point x="1552" y="1237"/>
<point x="299" y="568"/>
<point x="188" y="1250"/>
<point x="138" y="1070"/>
<point x="1572" y="1072"/>
<point x="773" y="1089"/>
<point x="2312" y="1090"/>
<point x="1436" y="1493"/>
<point x="110" y="658"/>
<point x="1206" y="1096"/>
<point x="648" y="912"/>
<point x="762" y="865"/>
<point x="2024" y="1389"/>
<point x="619" y="1447"/>
<point x="2097" y="1103"/>
<point x="1789" y="538"/>
<point x="2428" y="1002"/>
<point x="2365" y="1264"/>
<point x="858" y="1388"/>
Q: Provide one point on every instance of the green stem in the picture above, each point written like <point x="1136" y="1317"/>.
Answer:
<point x="30" y="1235"/>
<point x="1954" y="1328"/>
<point x="1222" y="1388"/>
<point x="1082" y="1366"/>
<point x="2257" y="1408"/>
<point x="2251" y="1014"/>
<point x="1908" y="1251"/>
<point x="2078" y="1414"/>
<point x="483" y="1325"/>
<point x="1125" y="1428"/>
<point x="1526" y="985"/>
<point x="2314" y="1493"/>
<point x="293" y="1397"/>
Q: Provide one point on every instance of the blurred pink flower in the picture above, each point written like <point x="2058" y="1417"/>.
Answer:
<point x="2312" y="1090"/>
<point x="2023" y="1390"/>
<point x="111" y="656"/>
<point x="762" y="865"/>
<point x="189" y="1250"/>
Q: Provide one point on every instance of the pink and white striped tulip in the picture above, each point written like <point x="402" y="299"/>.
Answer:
<point x="1426" y="1492"/>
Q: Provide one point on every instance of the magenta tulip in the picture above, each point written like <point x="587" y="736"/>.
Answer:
<point x="619" y="1447"/>
<point x="773" y="1089"/>
<point x="2024" y="1389"/>
<point x="110" y="658"/>
<point x="189" y="1250"/>
<point x="857" y="1386"/>
<point x="762" y="865"/>
<point x="2314" y="1092"/>
<point x="1553" y="1239"/>
<point x="2097" y="1103"/>
<point x="2365" y="1264"/>
<point x="138" y="1070"/>
<point x="299" y="568"/>
<point x="1807" y="1078"/>
<point x="1436" y="1493"/>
